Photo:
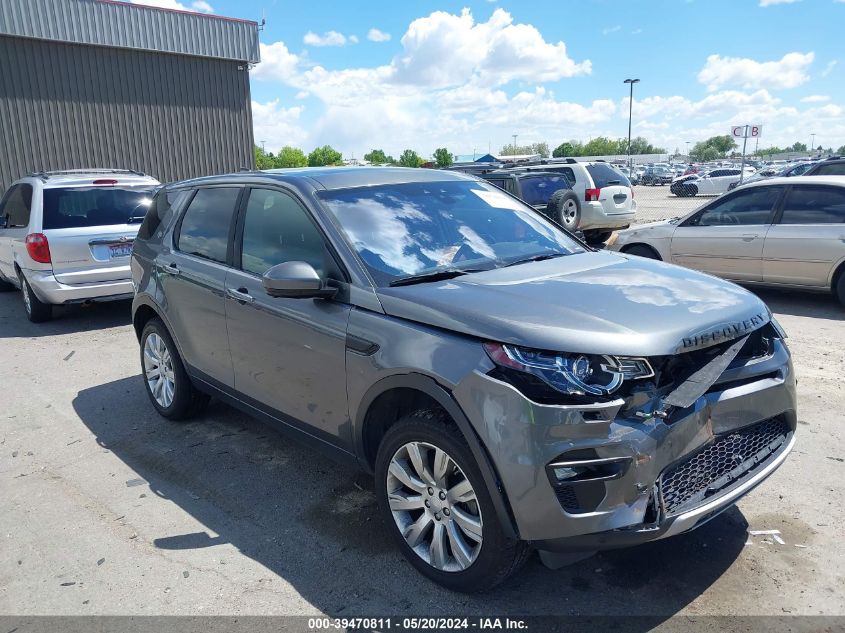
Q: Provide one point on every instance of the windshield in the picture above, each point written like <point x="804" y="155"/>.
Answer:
<point x="408" y="229"/>
<point x="74" y="207"/>
<point x="536" y="190"/>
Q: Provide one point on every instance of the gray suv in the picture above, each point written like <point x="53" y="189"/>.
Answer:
<point x="509" y="388"/>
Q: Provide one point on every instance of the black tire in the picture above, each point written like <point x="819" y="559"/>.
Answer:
<point x="6" y="286"/>
<point x="597" y="238"/>
<point x="565" y="208"/>
<point x="187" y="400"/>
<point x="690" y="191"/>
<point x="839" y="288"/>
<point x="641" y="250"/>
<point x="499" y="556"/>
<point x="36" y="310"/>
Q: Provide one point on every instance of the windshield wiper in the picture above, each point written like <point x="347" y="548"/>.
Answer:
<point x="434" y="275"/>
<point x="535" y="258"/>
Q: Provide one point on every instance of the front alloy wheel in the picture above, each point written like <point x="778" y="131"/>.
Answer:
<point x="434" y="506"/>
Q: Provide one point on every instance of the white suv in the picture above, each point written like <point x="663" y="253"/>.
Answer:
<point x="66" y="237"/>
<point x="605" y="198"/>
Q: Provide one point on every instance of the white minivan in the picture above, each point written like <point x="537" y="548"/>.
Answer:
<point x="66" y="236"/>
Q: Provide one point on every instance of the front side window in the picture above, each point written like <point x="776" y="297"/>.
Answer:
<point x="76" y="207"/>
<point x="832" y="169"/>
<point x="17" y="206"/>
<point x="814" y="204"/>
<point x="749" y="207"/>
<point x="276" y="230"/>
<point x="409" y="229"/>
<point x="536" y="190"/>
<point x="206" y="224"/>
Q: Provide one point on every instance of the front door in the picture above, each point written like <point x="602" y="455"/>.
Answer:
<point x="726" y="237"/>
<point x="288" y="354"/>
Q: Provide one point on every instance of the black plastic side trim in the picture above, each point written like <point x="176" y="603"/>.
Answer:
<point x="360" y="345"/>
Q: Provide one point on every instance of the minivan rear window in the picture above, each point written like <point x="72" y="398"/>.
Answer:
<point x="75" y="207"/>
<point x="605" y="176"/>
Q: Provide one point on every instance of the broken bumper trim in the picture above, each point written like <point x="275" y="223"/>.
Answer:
<point x="671" y="526"/>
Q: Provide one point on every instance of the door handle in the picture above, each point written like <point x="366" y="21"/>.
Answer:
<point x="749" y="238"/>
<point x="171" y="269"/>
<point x="240" y="295"/>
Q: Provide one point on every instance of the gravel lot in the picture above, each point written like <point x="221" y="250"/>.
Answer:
<point x="105" y="508"/>
<point x="656" y="203"/>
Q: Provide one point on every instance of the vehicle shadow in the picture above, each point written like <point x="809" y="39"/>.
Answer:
<point x="804" y="304"/>
<point x="66" y="319"/>
<point x="315" y="524"/>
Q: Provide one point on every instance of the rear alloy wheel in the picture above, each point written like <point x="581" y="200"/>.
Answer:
<point x="167" y="383"/>
<point x="433" y="496"/>
<point x="36" y="310"/>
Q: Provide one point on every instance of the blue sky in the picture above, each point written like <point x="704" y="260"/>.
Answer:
<point x="469" y="74"/>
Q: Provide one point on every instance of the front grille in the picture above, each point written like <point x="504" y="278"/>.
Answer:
<point x="720" y="464"/>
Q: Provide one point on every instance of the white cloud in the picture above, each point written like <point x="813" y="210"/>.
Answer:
<point x="277" y="62"/>
<point x="199" y="5"/>
<point x="377" y="35"/>
<point x="790" y="71"/>
<point x="830" y="65"/>
<point x="769" y="3"/>
<point x="329" y="38"/>
<point x="636" y="31"/>
<point x="277" y="126"/>
<point x="816" y="98"/>
<point x="611" y="29"/>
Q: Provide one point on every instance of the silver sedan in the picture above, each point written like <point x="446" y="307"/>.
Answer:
<point x="786" y="232"/>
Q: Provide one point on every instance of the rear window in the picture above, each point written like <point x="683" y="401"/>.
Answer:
<point x="161" y="207"/>
<point x="606" y="176"/>
<point x="831" y="169"/>
<point x="75" y="207"/>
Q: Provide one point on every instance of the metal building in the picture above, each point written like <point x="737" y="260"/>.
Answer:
<point x="102" y="83"/>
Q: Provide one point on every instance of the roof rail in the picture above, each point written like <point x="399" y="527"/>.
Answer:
<point x="44" y="175"/>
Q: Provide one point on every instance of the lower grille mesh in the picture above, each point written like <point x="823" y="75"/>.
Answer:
<point x="720" y="464"/>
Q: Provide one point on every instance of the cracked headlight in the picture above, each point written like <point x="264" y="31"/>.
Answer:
<point x="571" y="374"/>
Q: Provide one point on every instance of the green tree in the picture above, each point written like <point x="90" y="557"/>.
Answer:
<point x="568" y="148"/>
<point x="841" y="150"/>
<point x="770" y="151"/>
<point x="291" y="157"/>
<point x="378" y="157"/>
<point x="443" y="158"/>
<point x="410" y="158"/>
<point x="541" y="148"/>
<point x="325" y="155"/>
<point x="797" y="146"/>
<point x="713" y="148"/>
<point x="263" y="160"/>
<point x="640" y="145"/>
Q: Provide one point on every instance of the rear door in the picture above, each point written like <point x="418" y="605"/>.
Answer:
<point x="15" y="210"/>
<point x="807" y="241"/>
<point x="91" y="228"/>
<point x="193" y="278"/>
<point x="615" y="188"/>
<point x="726" y="237"/>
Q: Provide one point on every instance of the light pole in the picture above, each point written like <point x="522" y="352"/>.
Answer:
<point x="630" y="112"/>
<point x="688" y="156"/>
<point x="812" y="142"/>
<point x="514" y="144"/>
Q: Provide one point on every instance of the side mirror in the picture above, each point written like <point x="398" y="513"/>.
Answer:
<point x="296" y="280"/>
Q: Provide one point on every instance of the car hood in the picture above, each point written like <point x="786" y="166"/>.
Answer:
<point x="600" y="303"/>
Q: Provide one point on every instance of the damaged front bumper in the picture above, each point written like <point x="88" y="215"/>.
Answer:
<point x="614" y="474"/>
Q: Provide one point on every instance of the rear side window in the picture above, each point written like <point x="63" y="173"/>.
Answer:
<point x="606" y="176"/>
<point x="207" y="223"/>
<point x="814" y="204"/>
<point x="75" y="207"/>
<point x="17" y="205"/>
<point x="833" y="169"/>
<point x="536" y="190"/>
<point x="162" y="205"/>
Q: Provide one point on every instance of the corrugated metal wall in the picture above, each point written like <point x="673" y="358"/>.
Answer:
<point x="65" y="106"/>
<point x="121" y="25"/>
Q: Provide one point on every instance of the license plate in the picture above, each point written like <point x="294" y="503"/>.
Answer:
<point x="120" y="250"/>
